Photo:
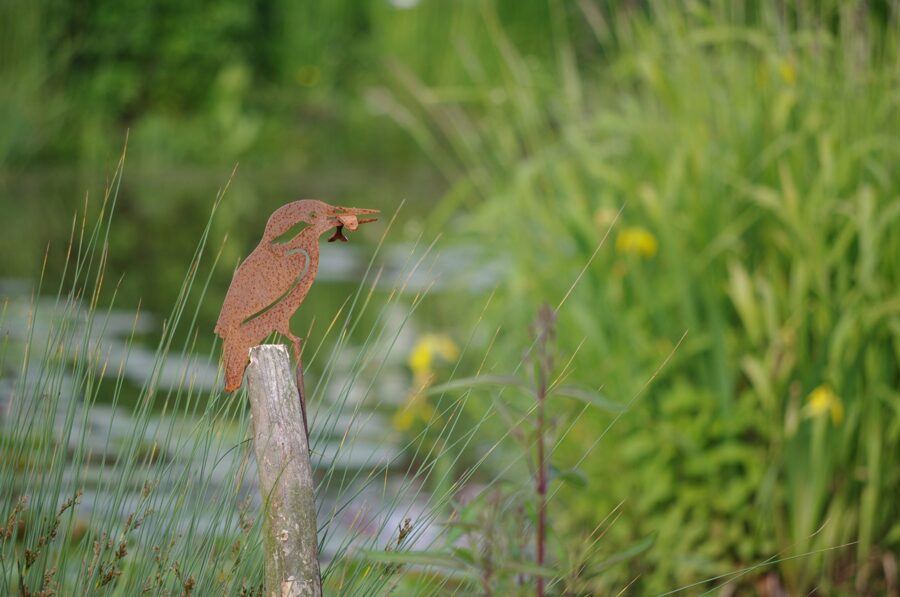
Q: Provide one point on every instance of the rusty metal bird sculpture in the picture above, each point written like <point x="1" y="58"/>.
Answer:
<point x="273" y="280"/>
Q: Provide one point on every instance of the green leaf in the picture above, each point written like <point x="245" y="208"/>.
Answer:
<point x="480" y="380"/>
<point x="638" y="548"/>
<point x="574" y="477"/>
<point x="589" y="397"/>
<point x="463" y="524"/>
<point x="529" y="568"/>
<point x="465" y="555"/>
<point x="416" y="558"/>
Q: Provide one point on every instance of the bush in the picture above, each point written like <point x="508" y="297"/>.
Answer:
<point x="753" y="158"/>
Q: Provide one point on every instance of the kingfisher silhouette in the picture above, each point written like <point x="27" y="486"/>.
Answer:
<point x="269" y="285"/>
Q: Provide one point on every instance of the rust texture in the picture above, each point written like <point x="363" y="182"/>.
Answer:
<point x="273" y="280"/>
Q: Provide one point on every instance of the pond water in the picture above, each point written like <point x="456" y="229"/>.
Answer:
<point x="347" y="400"/>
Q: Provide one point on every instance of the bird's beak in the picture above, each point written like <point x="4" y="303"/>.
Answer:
<point x="354" y="212"/>
<point x="347" y="217"/>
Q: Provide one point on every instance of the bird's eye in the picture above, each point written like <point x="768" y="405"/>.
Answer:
<point x="312" y="215"/>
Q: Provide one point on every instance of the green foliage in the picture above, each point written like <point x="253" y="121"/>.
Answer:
<point x="496" y="541"/>
<point x="752" y="155"/>
<point x="741" y="158"/>
<point x="217" y="81"/>
<point x="484" y="547"/>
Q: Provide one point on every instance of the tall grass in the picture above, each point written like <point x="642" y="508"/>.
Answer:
<point x="162" y="499"/>
<point x="151" y="525"/>
<point x="97" y="500"/>
<point x="754" y="154"/>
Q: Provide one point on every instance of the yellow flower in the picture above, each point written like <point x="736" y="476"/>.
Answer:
<point x="788" y="72"/>
<point x="636" y="241"/>
<point x="421" y="361"/>
<point x="416" y="407"/>
<point x="427" y="348"/>
<point x="823" y="400"/>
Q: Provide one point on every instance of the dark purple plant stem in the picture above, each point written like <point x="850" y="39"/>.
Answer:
<point x="544" y="329"/>
<point x="542" y="477"/>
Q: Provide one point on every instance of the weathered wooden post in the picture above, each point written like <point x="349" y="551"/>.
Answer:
<point x="285" y="475"/>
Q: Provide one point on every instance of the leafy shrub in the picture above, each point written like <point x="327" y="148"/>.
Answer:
<point x="752" y="155"/>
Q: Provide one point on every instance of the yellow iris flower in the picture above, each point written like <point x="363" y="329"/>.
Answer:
<point x="636" y="241"/>
<point x="788" y="72"/>
<point x="823" y="400"/>
<point x="427" y="350"/>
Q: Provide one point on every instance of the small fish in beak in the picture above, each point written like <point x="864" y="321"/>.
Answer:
<point x="344" y="220"/>
<point x="338" y="235"/>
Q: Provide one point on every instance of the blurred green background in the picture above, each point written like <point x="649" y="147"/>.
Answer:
<point x="744" y="158"/>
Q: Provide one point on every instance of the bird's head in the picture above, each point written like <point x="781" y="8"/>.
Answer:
<point x="318" y="215"/>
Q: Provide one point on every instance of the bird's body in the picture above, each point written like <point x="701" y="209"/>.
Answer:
<point x="273" y="280"/>
<point x="276" y="275"/>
